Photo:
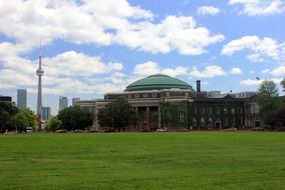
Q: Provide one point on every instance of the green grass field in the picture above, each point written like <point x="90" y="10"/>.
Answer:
<point x="194" y="160"/>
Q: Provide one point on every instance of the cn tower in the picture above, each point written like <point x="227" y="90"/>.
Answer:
<point x="40" y="73"/>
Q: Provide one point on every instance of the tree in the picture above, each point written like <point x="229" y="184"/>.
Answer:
<point x="169" y="113"/>
<point x="267" y="97"/>
<point x="283" y="84"/>
<point x="118" y="114"/>
<point x="276" y="118"/>
<point x="75" y="117"/>
<point x="7" y="110"/>
<point x="53" y="124"/>
<point x="23" y="119"/>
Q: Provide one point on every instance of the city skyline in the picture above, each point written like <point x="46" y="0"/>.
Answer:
<point x="100" y="47"/>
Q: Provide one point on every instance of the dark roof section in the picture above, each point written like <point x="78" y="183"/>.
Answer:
<point x="157" y="82"/>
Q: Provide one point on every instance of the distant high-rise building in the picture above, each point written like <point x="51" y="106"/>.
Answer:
<point x="74" y="100"/>
<point x="22" y="98"/>
<point x="45" y="113"/>
<point x="63" y="103"/>
<point x="5" y="99"/>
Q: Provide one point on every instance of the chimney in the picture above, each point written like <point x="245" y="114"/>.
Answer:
<point x="198" y="86"/>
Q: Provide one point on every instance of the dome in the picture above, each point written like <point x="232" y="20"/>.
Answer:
<point x="157" y="82"/>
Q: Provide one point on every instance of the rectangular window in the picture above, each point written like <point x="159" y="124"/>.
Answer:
<point x="240" y="110"/>
<point x="145" y="95"/>
<point x="154" y="95"/>
<point x="233" y="110"/>
<point x="181" y="117"/>
<point x="210" y="111"/>
<point x="137" y="95"/>
<point x="217" y="110"/>
<point x="202" y="110"/>
<point x="210" y="121"/>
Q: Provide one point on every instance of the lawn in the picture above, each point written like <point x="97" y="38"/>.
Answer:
<point x="194" y="160"/>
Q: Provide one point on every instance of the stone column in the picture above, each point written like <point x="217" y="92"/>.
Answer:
<point x="159" y="117"/>
<point x="147" y="116"/>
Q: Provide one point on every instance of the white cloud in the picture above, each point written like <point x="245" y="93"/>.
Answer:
<point x="72" y="63"/>
<point x="68" y="72"/>
<point x="101" y="23"/>
<point x="149" y="68"/>
<point x="209" y="72"/>
<point x="278" y="71"/>
<point x="235" y="71"/>
<point x="265" y="71"/>
<point x="14" y="78"/>
<point x="251" y="82"/>
<point x="254" y="82"/>
<point x="28" y="21"/>
<point x="259" y="7"/>
<point x="173" y="33"/>
<point x="177" y="71"/>
<point x="208" y="10"/>
<point x="261" y="47"/>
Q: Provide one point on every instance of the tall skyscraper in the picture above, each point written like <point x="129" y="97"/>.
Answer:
<point x="22" y="98"/>
<point x="74" y="100"/>
<point x="40" y="73"/>
<point x="63" y="103"/>
<point x="45" y="113"/>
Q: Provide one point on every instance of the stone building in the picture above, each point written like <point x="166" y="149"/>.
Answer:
<point x="193" y="109"/>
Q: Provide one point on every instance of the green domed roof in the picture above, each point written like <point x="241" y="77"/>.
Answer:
<point x="157" y="82"/>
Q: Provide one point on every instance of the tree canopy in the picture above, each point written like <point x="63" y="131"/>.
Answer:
<point x="53" y="124"/>
<point x="75" y="117"/>
<point x="7" y="110"/>
<point x="267" y="97"/>
<point x="23" y="119"/>
<point x="283" y="84"/>
<point x="276" y="118"/>
<point x="118" y="114"/>
<point x="169" y="113"/>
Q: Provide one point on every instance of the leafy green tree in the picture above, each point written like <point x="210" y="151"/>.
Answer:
<point x="283" y="84"/>
<point x="7" y="110"/>
<point x="169" y="113"/>
<point x="75" y="117"/>
<point x="53" y="124"/>
<point x="118" y="114"/>
<point x="267" y="97"/>
<point x="23" y="119"/>
<point x="276" y="118"/>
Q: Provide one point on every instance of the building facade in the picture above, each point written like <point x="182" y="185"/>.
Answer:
<point x="22" y="98"/>
<point x="74" y="100"/>
<point x="153" y="97"/>
<point x="45" y="113"/>
<point x="63" y="103"/>
<point x="6" y="99"/>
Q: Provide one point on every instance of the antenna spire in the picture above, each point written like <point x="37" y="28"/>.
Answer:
<point x="40" y="47"/>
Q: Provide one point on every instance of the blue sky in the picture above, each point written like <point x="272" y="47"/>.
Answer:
<point x="97" y="46"/>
